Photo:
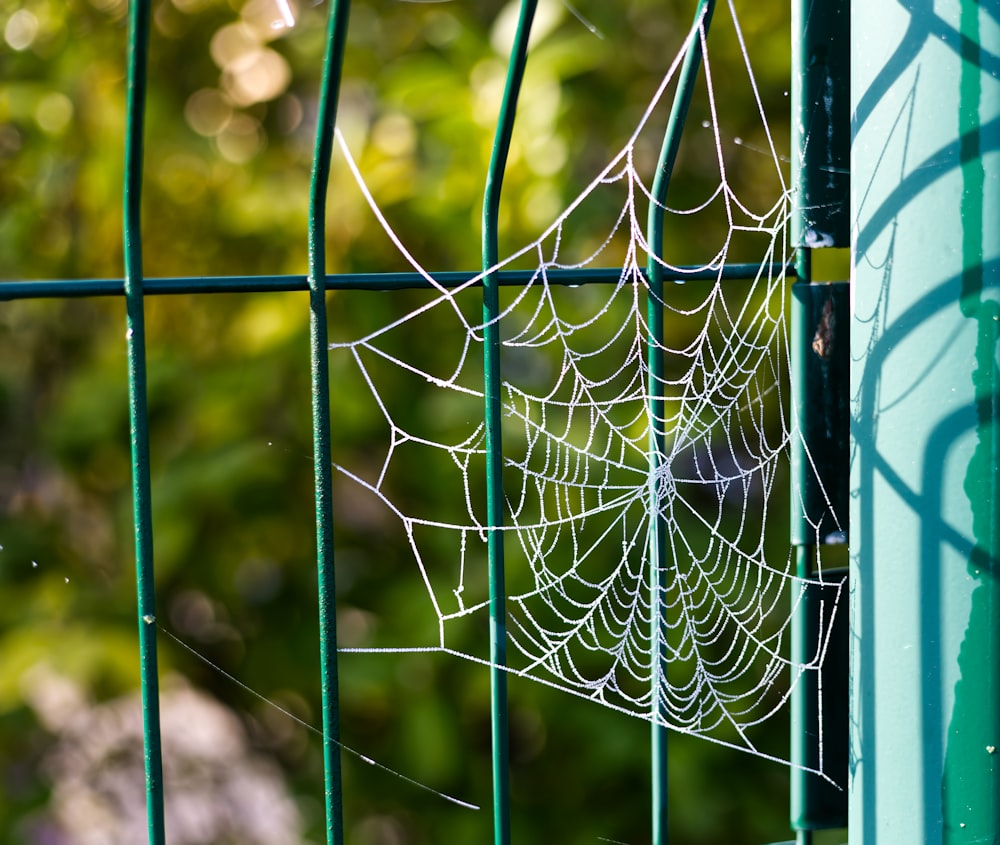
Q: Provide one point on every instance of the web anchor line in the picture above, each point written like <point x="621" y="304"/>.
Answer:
<point x="364" y="758"/>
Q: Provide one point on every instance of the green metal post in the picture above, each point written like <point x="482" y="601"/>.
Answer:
<point x="820" y="366"/>
<point x="494" y="455"/>
<point x="804" y="553"/>
<point x="925" y="519"/>
<point x="821" y="120"/>
<point x="819" y="351"/>
<point x="135" y="340"/>
<point x="658" y="555"/>
<point x="322" y="462"/>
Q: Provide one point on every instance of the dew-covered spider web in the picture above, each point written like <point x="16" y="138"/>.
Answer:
<point x="583" y="495"/>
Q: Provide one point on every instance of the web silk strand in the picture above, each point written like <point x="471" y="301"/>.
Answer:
<point x="576" y="427"/>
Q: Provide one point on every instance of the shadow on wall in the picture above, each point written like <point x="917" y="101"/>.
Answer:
<point x="953" y="756"/>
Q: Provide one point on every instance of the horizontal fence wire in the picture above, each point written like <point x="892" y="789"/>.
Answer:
<point x="565" y="277"/>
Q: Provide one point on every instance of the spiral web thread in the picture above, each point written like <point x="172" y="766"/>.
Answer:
<point x="581" y="498"/>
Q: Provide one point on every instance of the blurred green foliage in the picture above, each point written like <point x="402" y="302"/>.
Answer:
<point x="229" y="145"/>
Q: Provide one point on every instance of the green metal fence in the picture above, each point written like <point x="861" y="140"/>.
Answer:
<point x="821" y="138"/>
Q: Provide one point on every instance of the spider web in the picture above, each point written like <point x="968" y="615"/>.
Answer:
<point x="584" y="496"/>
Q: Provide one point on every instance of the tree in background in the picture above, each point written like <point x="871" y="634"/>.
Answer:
<point x="229" y="144"/>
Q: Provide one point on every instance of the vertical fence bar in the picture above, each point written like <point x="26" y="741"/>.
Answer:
<point x="820" y="367"/>
<point x="322" y="462"/>
<point x="821" y="121"/>
<point x="659" y="559"/>
<point x="494" y="455"/>
<point x="800" y="536"/>
<point x="135" y="340"/>
<point x="821" y="178"/>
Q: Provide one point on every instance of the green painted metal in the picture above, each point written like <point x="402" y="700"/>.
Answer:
<point x="925" y="506"/>
<point x="820" y="365"/>
<point x="821" y="134"/>
<point x="819" y="353"/>
<point x="658" y="554"/>
<point x="59" y="288"/>
<point x="494" y="456"/>
<point x="820" y="703"/>
<point x="322" y="461"/>
<point x="135" y="339"/>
